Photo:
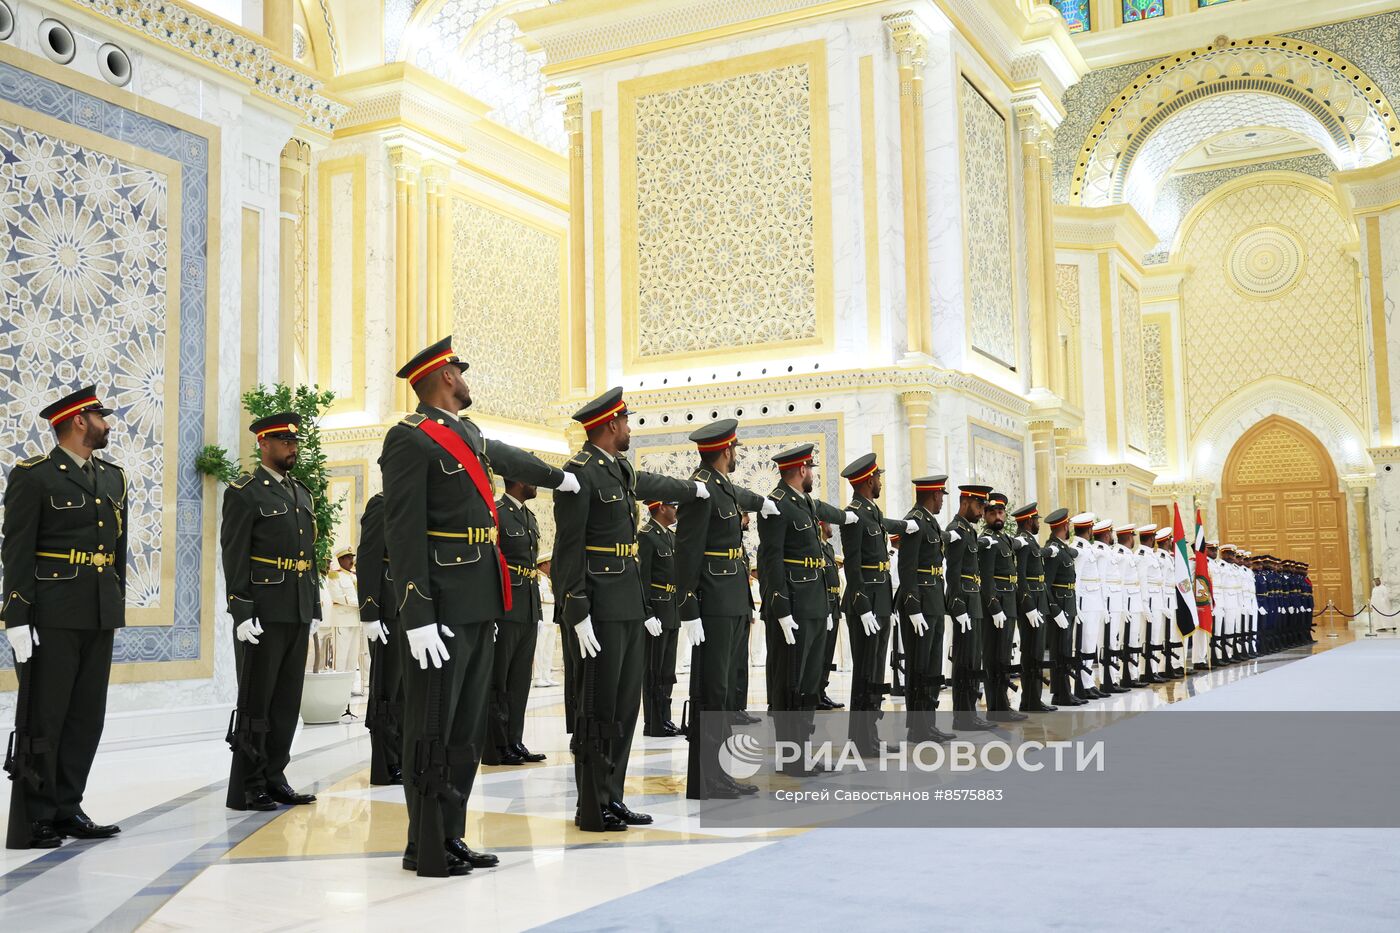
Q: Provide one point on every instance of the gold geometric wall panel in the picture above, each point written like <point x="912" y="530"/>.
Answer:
<point x="987" y="201"/>
<point x="1134" y="377"/>
<point x="1278" y="456"/>
<point x="1155" y="385"/>
<point x="1067" y="303"/>
<point x="1234" y="332"/>
<point x="725" y="201"/>
<point x="507" y="302"/>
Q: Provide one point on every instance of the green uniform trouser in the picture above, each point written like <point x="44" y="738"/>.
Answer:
<point x="711" y="692"/>
<point x="68" y="676"/>
<point x="275" y="671"/>
<point x="829" y="657"/>
<point x="996" y="650"/>
<point x="793" y="672"/>
<point x="968" y="658"/>
<point x="384" y="717"/>
<point x="739" y="673"/>
<point x="466" y="681"/>
<point x="923" y="674"/>
<point x="1062" y="657"/>
<point x="660" y="678"/>
<point x="1032" y="660"/>
<point x="610" y="694"/>
<point x="510" y="687"/>
<point x="867" y="677"/>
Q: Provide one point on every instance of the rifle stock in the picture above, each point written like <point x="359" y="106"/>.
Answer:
<point x="21" y="764"/>
<point x="432" y="779"/>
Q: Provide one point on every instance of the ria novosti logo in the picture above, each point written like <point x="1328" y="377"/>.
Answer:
<point x="741" y="755"/>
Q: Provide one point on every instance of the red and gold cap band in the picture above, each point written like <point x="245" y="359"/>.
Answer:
<point x="1062" y="522"/>
<point x="718" y="443"/>
<point x="605" y="417"/>
<point x="929" y="487"/>
<point x="288" y="428"/>
<point x="437" y="362"/>
<point x="795" y="462"/>
<point x="59" y="417"/>
<point x="974" y="494"/>
<point x="1028" y="515"/>
<point x="864" y="475"/>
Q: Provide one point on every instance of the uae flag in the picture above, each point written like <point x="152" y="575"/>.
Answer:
<point x="1204" y="591"/>
<point x="1185" y="595"/>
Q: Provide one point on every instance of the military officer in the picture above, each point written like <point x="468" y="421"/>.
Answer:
<point x="1091" y="602"/>
<point x="1167" y="600"/>
<point x="922" y="605"/>
<point x="1032" y="607"/>
<point x="1218" y="655"/>
<point x="64" y="558"/>
<point x="715" y="605"/>
<point x="1250" y="630"/>
<point x="268" y="540"/>
<point x="792" y="587"/>
<point x="601" y="594"/>
<point x="997" y="568"/>
<point x="451" y="583"/>
<point x="869" y="599"/>
<point x="1134" y="608"/>
<point x="516" y="631"/>
<point x="1059" y="559"/>
<point x="964" y="576"/>
<point x="1110" y="566"/>
<point x="379" y="613"/>
<point x="831" y="575"/>
<point x="656" y="546"/>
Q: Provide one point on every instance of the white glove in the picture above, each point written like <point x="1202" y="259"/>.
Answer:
<point x="568" y="484"/>
<point x="375" y="631"/>
<point x="653" y="626"/>
<point x="701" y="490"/>
<point x="870" y="623"/>
<point x="770" y="508"/>
<point x="495" y="631"/>
<point x="248" y="631"/>
<point x="1061" y="619"/>
<point x="953" y="535"/>
<point x="425" y="642"/>
<point x="830" y="622"/>
<point x="588" y="646"/>
<point x="315" y="625"/>
<point x="1033" y="617"/>
<point x="911" y="527"/>
<point x="851" y="518"/>
<point x="965" y="622"/>
<point x="998" y="619"/>
<point x="694" y="631"/>
<point x="789" y="626"/>
<point x="919" y="622"/>
<point x="22" y="638"/>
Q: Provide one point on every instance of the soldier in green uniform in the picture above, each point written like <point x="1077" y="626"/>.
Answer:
<point x="965" y="607"/>
<point x="64" y="557"/>
<point x="1058" y="558"/>
<point x="1032" y="607"/>
<point x="998" y="569"/>
<point x="600" y="591"/>
<point x="715" y="606"/>
<point x="516" y="631"/>
<point x="794" y="607"/>
<point x="268" y="541"/>
<point x="656" y="546"/>
<point x="921" y="602"/>
<point x="379" y="612"/>
<point x="831" y="575"/>
<point x="868" y="600"/>
<point x="451" y="582"/>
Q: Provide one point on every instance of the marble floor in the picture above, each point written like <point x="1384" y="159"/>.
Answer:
<point x="184" y="862"/>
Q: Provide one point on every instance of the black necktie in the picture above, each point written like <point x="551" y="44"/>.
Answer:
<point x="89" y="476"/>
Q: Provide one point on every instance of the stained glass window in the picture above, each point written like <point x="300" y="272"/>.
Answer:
<point x="1134" y="10"/>
<point x="1210" y="2"/>
<point x="1076" y="14"/>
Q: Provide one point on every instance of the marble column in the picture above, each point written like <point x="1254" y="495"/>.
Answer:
<point x="578" y="285"/>
<point x="1046" y="466"/>
<point x="911" y="47"/>
<point x="1385" y="515"/>
<point x="277" y="25"/>
<point x="291" y="345"/>
<point x="405" y="165"/>
<point x="1038" y="250"/>
<point x="916" y="405"/>
<point x="439" y="286"/>
<point x="1359" y="493"/>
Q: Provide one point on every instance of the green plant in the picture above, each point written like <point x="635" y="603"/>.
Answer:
<point x="214" y="461"/>
<point x="310" y="402"/>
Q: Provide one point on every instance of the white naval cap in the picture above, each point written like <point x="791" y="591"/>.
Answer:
<point x="1146" y="529"/>
<point x="1104" y="525"/>
<point x="1164" y="534"/>
<point x="1083" y="519"/>
<point x="1119" y="530"/>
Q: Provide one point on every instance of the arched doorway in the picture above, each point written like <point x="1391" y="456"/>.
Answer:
<point x="1280" y="496"/>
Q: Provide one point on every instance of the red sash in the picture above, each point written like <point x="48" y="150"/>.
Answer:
<point x="450" y="441"/>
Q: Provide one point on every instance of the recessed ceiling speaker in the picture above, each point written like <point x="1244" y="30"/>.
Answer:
<point x="7" y="21"/>
<point x="114" y="64"/>
<point x="57" y="41"/>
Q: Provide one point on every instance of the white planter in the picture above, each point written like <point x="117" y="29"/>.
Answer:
<point x="325" y="696"/>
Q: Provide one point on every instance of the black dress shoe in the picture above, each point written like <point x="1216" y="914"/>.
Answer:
<point x="283" y="793"/>
<point x="79" y="826"/>
<point x="456" y="868"/>
<point x="971" y="723"/>
<point x="1006" y="715"/>
<point x="1115" y="688"/>
<point x="459" y="850"/>
<point x="938" y="735"/>
<point x="396" y="776"/>
<point x="718" y="790"/>
<point x="1044" y="708"/>
<point x="826" y="702"/>
<point x="611" y="822"/>
<point x="625" y="813"/>
<point x="253" y="801"/>
<point x="527" y="755"/>
<point x="744" y="718"/>
<point x="670" y="729"/>
<point x="742" y="787"/>
<point x="1200" y="666"/>
<point x="42" y="835"/>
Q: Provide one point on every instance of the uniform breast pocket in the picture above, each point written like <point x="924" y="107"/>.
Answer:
<point x="452" y="554"/>
<point x="661" y="553"/>
<point x="450" y="467"/>
<point x="606" y="566"/>
<point x="721" y="568"/>
<point x="64" y="503"/>
<point x="877" y="576"/>
<point x="271" y="511"/>
<point x="55" y="570"/>
<point x="660" y="596"/>
<point x="803" y="574"/>
<point x="610" y="494"/>
<point x="265" y="575"/>
<point x="726" y="510"/>
<point x="802" y="524"/>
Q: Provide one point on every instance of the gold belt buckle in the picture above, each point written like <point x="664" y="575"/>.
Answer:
<point x="303" y="566"/>
<point x="99" y="560"/>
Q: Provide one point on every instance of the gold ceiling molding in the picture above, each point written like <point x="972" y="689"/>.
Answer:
<point x="1128" y="472"/>
<point x="1369" y="190"/>
<point x="1338" y="95"/>
<point x="1385" y="454"/>
<point x="221" y="45"/>
<point x="1111" y="226"/>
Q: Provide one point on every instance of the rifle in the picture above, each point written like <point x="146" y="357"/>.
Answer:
<point x="432" y="781"/>
<point x="246" y="736"/>
<point x="590" y="750"/>
<point x="381" y="718"/>
<point x="23" y="761"/>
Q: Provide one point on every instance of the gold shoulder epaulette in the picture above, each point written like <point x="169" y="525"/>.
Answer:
<point x="703" y="475"/>
<point x="241" y="481"/>
<point x="33" y="461"/>
<point x="115" y="466"/>
<point x="580" y="459"/>
<point x="778" y="495"/>
<point x="414" y="420"/>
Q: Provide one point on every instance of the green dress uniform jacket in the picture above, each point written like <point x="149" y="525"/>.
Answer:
<point x="712" y="575"/>
<point x="656" y="546"/>
<point x="1030" y="576"/>
<point x="866" y="546"/>
<point x="1058" y="557"/>
<point x="438" y="528"/>
<point x="269" y="550"/>
<point x="921" y="584"/>
<point x="520" y="543"/>
<point x="375" y="579"/>
<point x="64" y="551"/>
<point x="791" y="560"/>
<point x="964" y="570"/>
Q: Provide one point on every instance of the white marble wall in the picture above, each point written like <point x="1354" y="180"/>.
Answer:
<point x="1385" y="519"/>
<point x="1390" y="275"/>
